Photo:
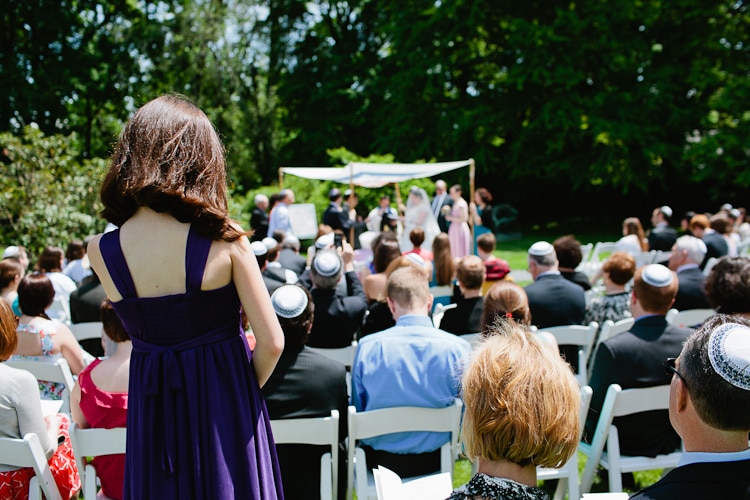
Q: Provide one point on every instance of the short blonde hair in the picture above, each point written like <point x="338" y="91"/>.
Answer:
<point x="522" y="401"/>
<point x="408" y="286"/>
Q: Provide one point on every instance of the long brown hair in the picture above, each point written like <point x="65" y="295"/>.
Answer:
<point x="170" y="158"/>
<point x="445" y="267"/>
<point x="633" y="225"/>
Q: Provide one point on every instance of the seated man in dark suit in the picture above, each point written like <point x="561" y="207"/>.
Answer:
<point x="709" y="406"/>
<point x="661" y="237"/>
<point x="467" y="315"/>
<point x="569" y="256"/>
<point x="338" y="314"/>
<point x="553" y="300"/>
<point x="634" y="359"/>
<point x="687" y="253"/>
<point x="289" y="256"/>
<point x="304" y="384"/>
<point x="85" y="306"/>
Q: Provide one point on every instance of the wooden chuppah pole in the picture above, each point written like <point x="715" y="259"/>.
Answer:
<point x="351" y="190"/>
<point x="281" y="179"/>
<point x="471" y="199"/>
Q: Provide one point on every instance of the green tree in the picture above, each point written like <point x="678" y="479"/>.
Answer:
<point x="48" y="196"/>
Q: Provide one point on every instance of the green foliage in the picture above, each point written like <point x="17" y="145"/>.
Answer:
<point x="48" y="196"/>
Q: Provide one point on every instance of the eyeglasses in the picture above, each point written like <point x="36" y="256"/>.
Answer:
<point x="670" y="368"/>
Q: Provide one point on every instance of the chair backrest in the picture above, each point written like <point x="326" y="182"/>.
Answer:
<point x="368" y="424"/>
<point x="618" y="403"/>
<point x="439" y="311"/>
<point x="586" y="252"/>
<point x="344" y="355"/>
<point x="578" y="335"/>
<point x="87" y="330"/>
<point x="93" y="443"/>
<point x="689" y="317"/>
<point x="314" y="431"/>
<point x="659" y="256"/>
<point x="600" y="249"/>
<point x="60" y="310"/>
<point x="710" y="263"/>
<point x="58" y="372"/>
<point x="28" y="452"/>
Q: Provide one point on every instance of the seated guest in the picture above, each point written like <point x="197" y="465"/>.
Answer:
<point x="614" y="305"/>
<point x="410" y="364"/>
<point x="21" y="413"/>
<point x="716" y="245"/>
<point x="466" y="316"/>
<point x="40" y="338"/>
<point x="261" y="253"/>
<point x="100" y="399"/>
<point x="385" y="252"/>
<point x="77" y="264"/>
<point x="85" y="306"/>
<point x="304" y="384"/>
<point x="687" y="254"/>
<point x="51" y="263"/>
<point x="495" y="269"/>
<point x="416" y="236"/>
<point x="506" y="301"/>
<point x="633" y="359"/>
<point x="289" y="256"/>
<point x="517" y="417"/>
<point x="569" y="256"/>
<point x="443" y="263"/>
<point x="728" y="286"/>
<point x="662" y="236"/>
<point x="11" y="273"/>
<point x="338" y="315"/>
<point x="633" y="238"/>
<point x="709" y="407"/>
<point x="274" y="269"/>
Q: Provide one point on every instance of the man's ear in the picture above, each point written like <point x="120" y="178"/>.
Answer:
<point x="430" y="301"/>
<point x="391" y="304"/>
<point x="681" y="395"/>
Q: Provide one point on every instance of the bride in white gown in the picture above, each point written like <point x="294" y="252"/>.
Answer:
<point x="418" y="214"/>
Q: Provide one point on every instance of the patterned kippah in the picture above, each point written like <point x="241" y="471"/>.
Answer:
<point x="327" y="263"/>
<point x="541" y="248"/>
<point x="258" y="248"/>
<point x="657" y="275"/>
<point x="289" y="301"/>
<point x="729" y="352"/>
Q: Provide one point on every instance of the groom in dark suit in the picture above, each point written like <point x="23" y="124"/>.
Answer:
<point x="441" y="199"/>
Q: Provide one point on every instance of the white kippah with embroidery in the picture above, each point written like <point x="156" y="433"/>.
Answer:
<point x="657" y="275"/>
<point x="289" y="301"/>
<point x="729" y="352"/>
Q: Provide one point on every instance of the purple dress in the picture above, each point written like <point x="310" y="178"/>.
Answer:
<point x="197" y="421"/>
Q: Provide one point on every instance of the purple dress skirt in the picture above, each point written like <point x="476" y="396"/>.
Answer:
<point x="197" y="421"/>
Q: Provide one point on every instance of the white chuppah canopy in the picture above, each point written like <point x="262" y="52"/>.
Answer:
<point x="374" y="175"/>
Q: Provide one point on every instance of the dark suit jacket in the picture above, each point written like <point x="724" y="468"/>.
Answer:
<point x="716" y="246"/>
<point x="85" y="305"/>
<point x="337" y="316"/>
<point x="273" y="277"/>
<point x="259" y="224"/>
<point x="699" y="481"/>
<point x="293" y="261"/>
<point x="634" y="359"/>
<point x="306" y="384"/>
<point x="447" y="201"/>
<point x="465" y="317"/>
<point x="578" y="278"/>
<point x="337" y="218"/>
<point x="555" y="301"/>
<point x="691" y="292"/>
<point x="662" y="238"/>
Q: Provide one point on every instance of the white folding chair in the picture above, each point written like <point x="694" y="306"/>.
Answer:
<point x="438" y="311"/>
<point x="28" y="452"/>
<point x="315" y="431"/>
<point x="59" y="310"/>
<point x="578" y="335"/>
<point x="689" y="317"/>
<point x="442" y="295"/>
<point x="568" y="473"/>
<point x="585" y="253"/>
<point x="619" y="403"/>
<point x="659" y="256"/>
<point x="87" y="330"/>
<point x="368" y="424"/>
<point x="601" y="250"/>
<point x="344" y="355"/>
<point x="58" y="372"/>
<point x="93" y="443"/>
<point x="710" y="263"/>
<point x="610" y="329"/>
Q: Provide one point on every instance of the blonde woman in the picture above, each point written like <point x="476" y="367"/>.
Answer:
<point x="518" y="416"/>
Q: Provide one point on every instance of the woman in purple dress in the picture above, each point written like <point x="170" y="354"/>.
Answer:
<point x="178" y="271"/>
<point x="458" y="231"/>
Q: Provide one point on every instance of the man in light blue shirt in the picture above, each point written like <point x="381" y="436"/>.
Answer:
<point x="410" y="364"/>
<point x="279" y="219"/>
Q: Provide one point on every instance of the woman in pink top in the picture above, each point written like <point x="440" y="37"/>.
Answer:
<point x="100" y="399"/>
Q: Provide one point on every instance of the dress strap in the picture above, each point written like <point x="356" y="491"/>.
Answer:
<point x="196" y="256"/>
<point x="114" y="259"/>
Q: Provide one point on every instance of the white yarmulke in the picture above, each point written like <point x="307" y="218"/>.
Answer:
<point x="258" y="248"/>
<point x="327" y="263"/>
<point x="11" y="251"/>
<point x="269" y="242"/>
<point x="541" y="249"/>
<point x="292" y="240"/>
<point x="657" y="275"/>
<point x="729" y="352"/>
<point x="289" y="301"/>
<point x="324" y="241"/>
<point x="416" y="259"/>
<point x="667" y="211"/>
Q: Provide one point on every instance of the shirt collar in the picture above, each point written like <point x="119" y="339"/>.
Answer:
<point x="685" y="267"/>
<point x="414" y="320"/>
<point x="691" y="457"/>
<point x="548" y="273"/>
